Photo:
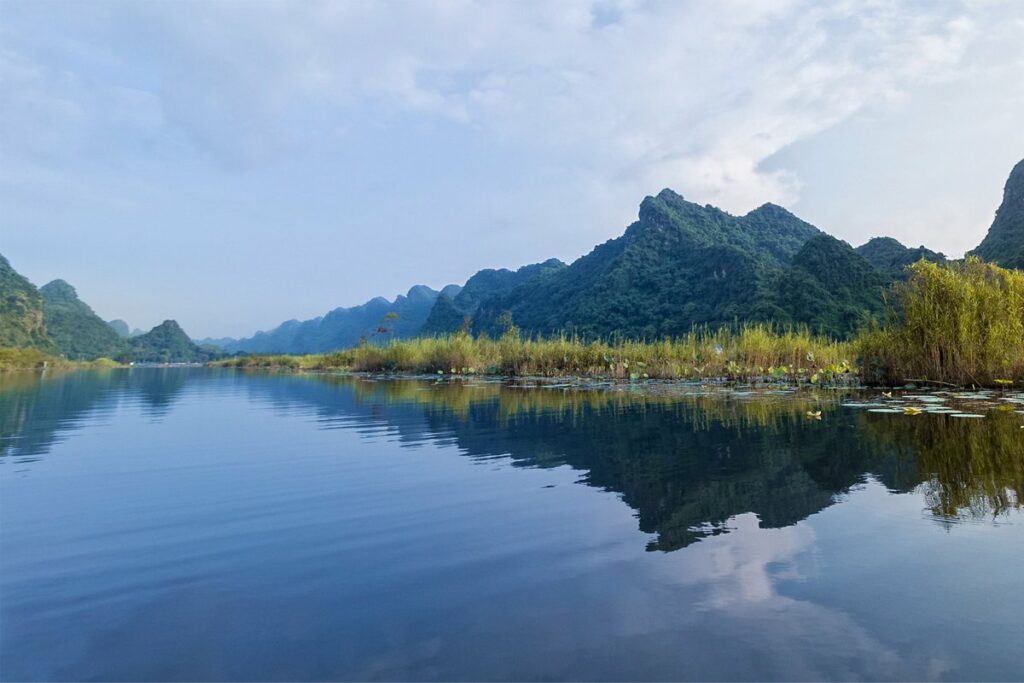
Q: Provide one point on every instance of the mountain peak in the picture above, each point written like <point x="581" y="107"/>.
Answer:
<point x="769" y="209"/>
<point x="421" y="292"/>
<point x="1004" y="243"/>
<point x="166" y="343"/>
<point x="59" y="290"/>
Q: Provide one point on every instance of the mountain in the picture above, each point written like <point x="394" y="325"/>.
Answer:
<point x="888" y="256"/>
<point x="450" y="312"/>
<point x="377" y="319"/>
<point x="121" y="328"/>
<point x="166" y="343"/>
<point x="77" y="331"/>
<point x="219" y="342"/>
<point x="21" y="311"/>
<point x="830" y="287"/>
<point x="678" y="265"/>
<point x="1004" y="243"/>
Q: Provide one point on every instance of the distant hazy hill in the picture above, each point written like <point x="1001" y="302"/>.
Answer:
<point x="77" y="331"/>
<point x="121" y="328"/>
<point x="219" y="342"/>
<point x="890" y="257"/>
<point x="450" y="312"/>
<point x="344" y="327"/>
<point x="166" y="343"/>
<point x="1004" y="243"/>
<point x="21" y="311"/>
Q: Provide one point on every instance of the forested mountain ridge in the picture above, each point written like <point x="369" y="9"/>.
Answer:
<point x="1004" y="243"/>
<point x="449" y="313"/>
<point x="888" y="256"/>
<point x="830" y="288"/>
<point x="682" y="264"/>
<point x="166" y="343"/>
<point x="54" y="320"/>
<point x="77" y="331"/>
<point x="678" y="265"/>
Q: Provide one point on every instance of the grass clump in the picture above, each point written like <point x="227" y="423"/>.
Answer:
<point x="957" y="323"/>
<point x="278" y="361"/>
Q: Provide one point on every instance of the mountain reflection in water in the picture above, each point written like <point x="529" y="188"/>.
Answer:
<point x="210" y="504"/>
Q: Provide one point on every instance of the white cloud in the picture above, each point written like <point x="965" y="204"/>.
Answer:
<point x="564" y="116"/>
<point x="689" y="95"/>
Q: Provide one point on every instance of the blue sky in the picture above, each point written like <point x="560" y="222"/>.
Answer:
<point x="232" y="165"/>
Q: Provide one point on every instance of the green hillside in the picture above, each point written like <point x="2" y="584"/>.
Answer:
<point x="830" y="288"/>
<point x="449" y="313"/>
<point x="680" y="264"/>
<point x="77" y="331"/>
<point x="21" y="311"/>
<point x="166" y="343"/>
<point x="1004" y="243"/>
<point x="890" y="257"/>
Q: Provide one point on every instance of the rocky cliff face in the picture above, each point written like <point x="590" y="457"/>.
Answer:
<point x="1004" y="243"/>
<point x="21" y="311"/>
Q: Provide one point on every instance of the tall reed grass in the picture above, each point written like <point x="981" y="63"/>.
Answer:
<point x="743" y="352"/>
<point x="959" y="323"/>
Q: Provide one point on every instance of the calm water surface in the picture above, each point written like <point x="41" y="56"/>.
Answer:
<point x="162" y="524"/>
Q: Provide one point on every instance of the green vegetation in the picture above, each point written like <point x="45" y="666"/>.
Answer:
<point x="682" y="264"/>
<point x="891" y="258"/>
<point x="21" y="311"/>
<point x="954" y="323"/>
<point x="451" y="313"/>
<point x="831" y="288"/>
<point x="960" y="323"/>
<point x="749" y="352"/>
<point x="679" y="265"/>
<point x="28" y="359"/>
<point x="77" y="331"/>
<point x="1004" y="244"/>
<point x="166" y="343"/>
<point x="34" y="359"/>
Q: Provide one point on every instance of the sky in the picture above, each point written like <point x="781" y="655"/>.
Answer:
<point x="235" y="164"/>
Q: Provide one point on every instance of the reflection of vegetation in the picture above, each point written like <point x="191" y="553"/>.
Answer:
<point x="35" y="409"/>
<point x="971" y="468"/>
<point x="687" y="462"/>
<point x="686" y="459"/>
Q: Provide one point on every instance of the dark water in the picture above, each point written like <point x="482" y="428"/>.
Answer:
<point x="195" y="524"/>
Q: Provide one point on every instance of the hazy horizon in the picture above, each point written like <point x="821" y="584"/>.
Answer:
<point x="232" y="166"/>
